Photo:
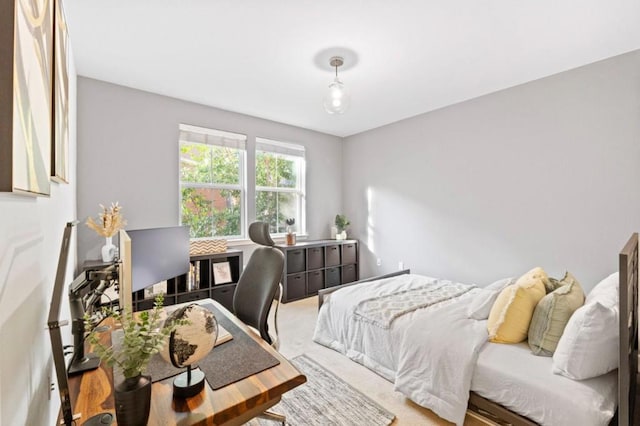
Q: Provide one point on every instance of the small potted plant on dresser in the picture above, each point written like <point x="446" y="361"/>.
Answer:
<point x="341" y="224"/>
<point x="143" y="336"/>
<point x="291" y="236"/>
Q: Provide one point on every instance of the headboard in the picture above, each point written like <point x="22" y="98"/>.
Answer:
<point x="628" y="370"/>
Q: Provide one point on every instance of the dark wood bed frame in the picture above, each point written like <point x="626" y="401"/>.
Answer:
<point x="627" y="372"/>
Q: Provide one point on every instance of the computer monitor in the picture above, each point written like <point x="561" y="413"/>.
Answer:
<point x="149" y="256"/>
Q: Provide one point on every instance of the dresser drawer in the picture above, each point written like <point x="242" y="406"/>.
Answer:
<point x="193" y="296"/>
<point x="224" y="295"/>
<point x="348" y="253"/>
<point x="348" y="273"/>
<point x="315" y="258"/>
<point x="332" y="277"/>
<point x="296" y="286"/>
<point x="333" y="255"/>
<point x="315" y="282"/>
<point x="295" y="261"/>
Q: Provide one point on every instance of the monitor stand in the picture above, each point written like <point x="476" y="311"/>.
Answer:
<point x="86" y="363"/>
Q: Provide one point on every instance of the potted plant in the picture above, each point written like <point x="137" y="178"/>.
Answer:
<point x="291" y="236"/>
<point x="341" y="224"/>
<point x="143" y="336"/>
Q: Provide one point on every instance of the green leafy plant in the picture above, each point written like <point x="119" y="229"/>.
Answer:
<point x="143" y="338"/>
<point x="341" y="222"/>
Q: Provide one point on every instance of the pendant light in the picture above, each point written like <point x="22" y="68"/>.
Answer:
<point x="337" y="99"/>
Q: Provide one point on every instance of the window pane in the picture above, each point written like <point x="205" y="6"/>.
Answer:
<point x="275" y="207"/>
<point x="275" y="170"/>
<point x="266" y="172"/>
<point x="211" y="212"/>
<point x="287" y="172"/>
<point x="201" y="163"/>
<point x="225" y="165"/>
<point x="195" y="162"/>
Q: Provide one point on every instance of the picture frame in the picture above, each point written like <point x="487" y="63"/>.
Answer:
<point x="152" y="291"/>
<point x="26" y="96"/>
<point x="221" y="272"/>
<point x="60" y="136"/>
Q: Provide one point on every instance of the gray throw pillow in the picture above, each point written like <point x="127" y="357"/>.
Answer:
<point x="552" y="315"/>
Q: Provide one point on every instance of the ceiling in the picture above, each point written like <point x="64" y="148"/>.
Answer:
<point x="270" y="59"/>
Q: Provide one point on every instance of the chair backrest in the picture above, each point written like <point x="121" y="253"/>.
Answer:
<point x="259" y="281"/>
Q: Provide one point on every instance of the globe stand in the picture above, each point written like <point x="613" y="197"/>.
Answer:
<point x="188" y="384"/>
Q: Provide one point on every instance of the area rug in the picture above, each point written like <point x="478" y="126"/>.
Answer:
<point x="325" y="400"/>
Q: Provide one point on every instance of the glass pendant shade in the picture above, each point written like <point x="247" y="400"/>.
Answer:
<point x="337" y="99"/>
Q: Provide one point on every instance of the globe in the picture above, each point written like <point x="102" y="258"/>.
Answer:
<point x="193" y="340"/>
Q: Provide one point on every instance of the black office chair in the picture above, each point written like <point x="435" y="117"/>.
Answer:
<point x="257" y="288"/>
<point x="259" y="283"/>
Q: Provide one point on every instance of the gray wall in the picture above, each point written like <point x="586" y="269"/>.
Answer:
<point x="546" y="173"/>
<point x="128" y="152"/>
<point x="30" y="237"/>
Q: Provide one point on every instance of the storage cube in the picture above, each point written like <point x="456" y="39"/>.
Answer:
<point x="315" y="258"/>
<point x="295" y="261"/>
<point x="333" y="255"/>
<point x="296" y="286"/>
<point x="315" y="281"/>
<point x="333" y="277"/>
<point x="348" y="253"/>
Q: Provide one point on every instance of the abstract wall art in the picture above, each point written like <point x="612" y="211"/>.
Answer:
<point x="26" y="95"/>
<point x="60" y="147"/>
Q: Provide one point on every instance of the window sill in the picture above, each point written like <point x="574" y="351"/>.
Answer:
<point x="278" y="239"/>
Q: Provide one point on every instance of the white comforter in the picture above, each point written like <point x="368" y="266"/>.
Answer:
<point x="432" y="365"/>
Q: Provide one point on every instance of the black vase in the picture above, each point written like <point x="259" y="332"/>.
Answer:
<point x="133" y="401"/>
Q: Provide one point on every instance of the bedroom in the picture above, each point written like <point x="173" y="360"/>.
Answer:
<point x="539" y="173"/>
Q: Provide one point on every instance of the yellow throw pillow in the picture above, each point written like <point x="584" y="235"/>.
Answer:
<point x="511" y="313"/>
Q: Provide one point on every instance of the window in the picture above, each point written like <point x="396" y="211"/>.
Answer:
<point x="212" y="176"/>
<point x="280" y="170"/>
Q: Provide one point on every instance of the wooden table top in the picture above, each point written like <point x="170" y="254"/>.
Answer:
<point x="92" y="392"/>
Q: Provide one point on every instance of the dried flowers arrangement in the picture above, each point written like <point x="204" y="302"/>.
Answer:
<point x="290" y="222"/>
<point x="110" y="221"/>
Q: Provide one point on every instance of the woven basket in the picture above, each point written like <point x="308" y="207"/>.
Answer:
<point x="207" y="246"/>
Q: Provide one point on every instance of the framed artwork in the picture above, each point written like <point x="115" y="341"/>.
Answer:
<point x="26" y="94"/>
<point x="221" y="273"/>
<point x="60" y="140"/>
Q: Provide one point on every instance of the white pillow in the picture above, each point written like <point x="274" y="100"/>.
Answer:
<point x="589" y="344"/>
<point x="605" y="292"/>
<point x="480" y="306"/>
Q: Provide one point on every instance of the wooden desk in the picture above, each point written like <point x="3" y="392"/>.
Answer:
<point x="235" y="404"/>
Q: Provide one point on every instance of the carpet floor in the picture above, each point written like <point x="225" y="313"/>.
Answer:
<point x="325" y="399"/>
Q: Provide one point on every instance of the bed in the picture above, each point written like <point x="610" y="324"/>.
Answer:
<point x="415" y="351"/>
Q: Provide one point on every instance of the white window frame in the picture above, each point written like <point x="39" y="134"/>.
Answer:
<point x="288" y="150"/>
<point x="194" y="134"/>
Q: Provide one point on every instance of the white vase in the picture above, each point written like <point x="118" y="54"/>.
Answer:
<point x="108" y="251"/>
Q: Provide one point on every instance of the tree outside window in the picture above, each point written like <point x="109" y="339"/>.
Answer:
<point x="211" y="189"/>
<point x="279" y="186"/>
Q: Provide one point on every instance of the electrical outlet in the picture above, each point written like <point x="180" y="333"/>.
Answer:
<point x="379" y="262"/>
<point x="52" y="386"/>
<point x="400" y="265"/>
